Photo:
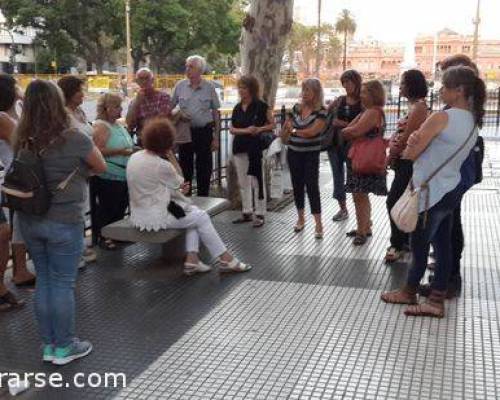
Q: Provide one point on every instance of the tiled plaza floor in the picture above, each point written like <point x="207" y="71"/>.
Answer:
<point x="305" y="323"/>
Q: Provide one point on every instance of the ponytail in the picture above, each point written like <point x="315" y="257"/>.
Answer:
<point x="473" y="86"/>
<point x="478" y="99"/>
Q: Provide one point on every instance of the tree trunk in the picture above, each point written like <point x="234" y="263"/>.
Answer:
<point x="263" y="41"/>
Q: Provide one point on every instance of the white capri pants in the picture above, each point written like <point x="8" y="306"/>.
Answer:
<point x="198" y="227"/>
<point x="249" y="186"/>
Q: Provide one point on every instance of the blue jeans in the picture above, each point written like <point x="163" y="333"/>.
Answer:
<point x="56" y="249"/>
<point x="338" y="156"/>
<point x="437" y="231"/>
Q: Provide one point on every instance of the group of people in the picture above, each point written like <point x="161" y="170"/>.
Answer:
<point x="174" y="141"/>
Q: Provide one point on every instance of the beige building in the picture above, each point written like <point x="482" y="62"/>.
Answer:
<point x="431" y="49"/>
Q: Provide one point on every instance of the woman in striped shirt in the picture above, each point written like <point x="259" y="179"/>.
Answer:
<point x="303" y="128"/>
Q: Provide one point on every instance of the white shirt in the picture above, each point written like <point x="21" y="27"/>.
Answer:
<point x="152" y="183"/>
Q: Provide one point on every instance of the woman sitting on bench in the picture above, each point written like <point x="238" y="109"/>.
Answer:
<point x="156" y="189"/>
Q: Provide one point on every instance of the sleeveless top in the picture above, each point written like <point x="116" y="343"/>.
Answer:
<point x="460" y="124"/>
<point x="301" y="144"/>
<point x="79" y="121"/>
<point x="118" y="138"/>
<point x="348" y="112"/>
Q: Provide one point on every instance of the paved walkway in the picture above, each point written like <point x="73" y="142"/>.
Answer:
<point x="306" y="323"/>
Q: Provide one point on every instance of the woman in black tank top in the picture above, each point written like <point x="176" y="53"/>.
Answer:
<point x="347" y="108"/>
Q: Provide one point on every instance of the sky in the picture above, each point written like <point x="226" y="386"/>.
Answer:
<point x="401" y="20"/>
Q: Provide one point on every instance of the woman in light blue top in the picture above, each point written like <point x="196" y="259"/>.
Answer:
<point x="446" y="138"/>
<point x="116" y="146"/>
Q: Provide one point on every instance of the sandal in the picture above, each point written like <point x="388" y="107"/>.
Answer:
<point x="354" y="233"/>
<point x="299" y="227"/>
<point x="392" y="255"/>
<point x="9" y="301"/>
<point x="234" y="265"/>
<point x="427" y="309"/>
<point x="400" y="296"/>
<point x="359" y="240"/>
<point x="243" y="219"/>
<point x="107" y="244"/>
<point x="258" y="221"/>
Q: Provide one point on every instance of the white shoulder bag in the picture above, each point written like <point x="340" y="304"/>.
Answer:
<point x="405" y="211"/>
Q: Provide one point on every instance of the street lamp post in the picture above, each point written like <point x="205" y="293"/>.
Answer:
<point x="477" y="21"/>
<point x="130" y="66"/>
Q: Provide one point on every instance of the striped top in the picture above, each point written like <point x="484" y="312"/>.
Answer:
<point x="302" y="144"/>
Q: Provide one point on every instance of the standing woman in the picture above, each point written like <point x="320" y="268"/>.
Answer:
<point x="251" y="117"/>
<point x="116" y="145"/>
<point x="370" y="123"/>
<point x="55" y="240"/>
<point x="302" y="129"/>
<point x="10" y="239"/>
<point x="439" y="149"/>
<point x="347" y="108"/>
<point x="73" y="90"/>
<point x="414" y="87"/>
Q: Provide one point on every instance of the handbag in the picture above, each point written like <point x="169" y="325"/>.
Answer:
<point x="405" y="211"/>
<point x="368" y="154"/>
<point x="265" y="140"/>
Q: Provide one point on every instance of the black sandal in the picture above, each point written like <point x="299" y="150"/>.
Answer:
<point x="243" y="219"/>
<point x="107" y="244"/>
<point x="354" y="233"/>
<point x="359" y="240"/>
<point x="9" y="301"/>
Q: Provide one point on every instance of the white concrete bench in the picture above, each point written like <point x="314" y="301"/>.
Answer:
<point x="125" y="232"/>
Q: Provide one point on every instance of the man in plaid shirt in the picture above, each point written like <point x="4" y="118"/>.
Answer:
<point x="149" y="102"/>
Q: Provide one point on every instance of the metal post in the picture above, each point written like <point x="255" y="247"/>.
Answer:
<point x="219" y="155"/>
<point x="476" y="21"/>
<point x="498" y="108"/>
<point x="399" y="106"/>
<point x="130" y="66"/>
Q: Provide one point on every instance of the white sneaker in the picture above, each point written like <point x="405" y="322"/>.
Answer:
<point x="82" y="264"/>
<point x="191" y="269"/>
<point x="89" y="255"/>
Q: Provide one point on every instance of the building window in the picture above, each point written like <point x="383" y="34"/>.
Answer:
<point x="466" y="49"/>
<point x="418" y="49"/>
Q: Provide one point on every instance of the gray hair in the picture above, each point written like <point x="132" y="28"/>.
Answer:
<point x="199" y="60"/>
<point x="144" y="69"/>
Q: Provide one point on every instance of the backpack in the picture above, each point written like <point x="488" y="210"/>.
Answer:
<point x="25" y="187"/>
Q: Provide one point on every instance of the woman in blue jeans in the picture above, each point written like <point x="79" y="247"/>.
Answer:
<point x="55" y="240"/>
<point x="447" y="136"/>
<point x="347" y="108"/>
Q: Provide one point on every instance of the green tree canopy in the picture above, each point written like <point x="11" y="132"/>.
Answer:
<point x="164" y="32"/>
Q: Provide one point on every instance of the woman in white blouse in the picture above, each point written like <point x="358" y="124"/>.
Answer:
<point x="157" y="201"/>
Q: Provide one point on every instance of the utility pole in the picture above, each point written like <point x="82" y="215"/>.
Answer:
<point x="318" y="44"/>
<point x="130" y="65"/>
<point x="476" y="22"/>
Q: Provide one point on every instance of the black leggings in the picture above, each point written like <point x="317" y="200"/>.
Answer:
<point x="112" y="201"/>
<point x="304" y="169"/>
<point x="403" y="171"/>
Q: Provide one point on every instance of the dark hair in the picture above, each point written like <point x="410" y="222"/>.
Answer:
<point x="458" y="60"/>
<point x="70" y="85"/>
<point x="158" y="136"/>
<point x="252" y="84"/>
<point x="415" y="83"/>
<point x="473" y="87"/>
<point x="353" y="76"/>
<point x="7" y="92"/>
<point x="44" y="117"/>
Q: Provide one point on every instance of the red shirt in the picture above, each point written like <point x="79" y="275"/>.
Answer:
<point x="158" y="104"/>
